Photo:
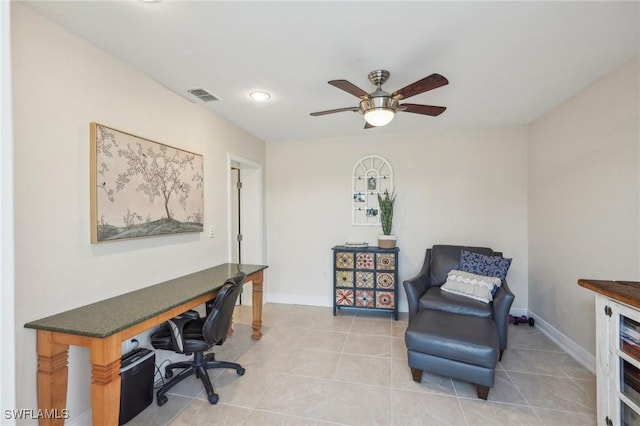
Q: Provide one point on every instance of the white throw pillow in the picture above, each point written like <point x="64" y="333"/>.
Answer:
<point x="476" y="287"/>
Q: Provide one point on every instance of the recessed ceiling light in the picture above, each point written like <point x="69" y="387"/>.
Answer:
<point x="259" y="96"/>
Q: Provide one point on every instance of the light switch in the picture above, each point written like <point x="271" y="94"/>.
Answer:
<point x="210" y="231"/>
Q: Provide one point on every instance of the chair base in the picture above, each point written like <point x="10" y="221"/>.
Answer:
<point x="199" y="366"/>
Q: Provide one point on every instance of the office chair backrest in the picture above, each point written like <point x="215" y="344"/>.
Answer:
<point x="216" y="326"/>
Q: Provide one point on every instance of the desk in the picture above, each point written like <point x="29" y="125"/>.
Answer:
<point x="104" y="325"/>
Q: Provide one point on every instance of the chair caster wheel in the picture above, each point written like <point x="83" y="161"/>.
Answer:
<point x="240" y="371"/>
<point x="162" y="400"/>
<point x="168" y="374"/>
<point x="531" y="322"/>
<point x="213" y="398"/>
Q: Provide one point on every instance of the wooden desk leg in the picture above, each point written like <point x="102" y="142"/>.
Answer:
<point x="257" y="305"/>
<point x="105" y="380"/>
<point x="53" y="376"/>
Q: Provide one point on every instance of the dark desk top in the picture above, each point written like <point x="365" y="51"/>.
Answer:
<point x="109" y="316"/>
<point x="624" y="291"/>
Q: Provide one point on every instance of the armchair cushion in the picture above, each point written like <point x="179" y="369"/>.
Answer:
<point x="437" y="300"/>
<point x="444" y="258"/>
<point x="477" y="287"/>
<point x="482" y="264"/>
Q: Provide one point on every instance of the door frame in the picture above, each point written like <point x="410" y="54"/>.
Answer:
<point x="251" y="204"/>
<point x="8" y="389"/>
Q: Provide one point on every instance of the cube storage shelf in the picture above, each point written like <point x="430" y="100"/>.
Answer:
<point x="365" y="278"/>
<point x="617" y="351"/>
<point x="619" y="382"/>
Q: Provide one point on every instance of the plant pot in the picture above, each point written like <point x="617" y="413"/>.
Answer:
<point x="386" y="241"/>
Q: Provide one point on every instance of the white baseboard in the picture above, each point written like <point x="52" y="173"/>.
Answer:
<point x="288" y="299"/>
<point x="297" y="299"/>
<point x="518" y="312"/>
<point x="577" y="352"/>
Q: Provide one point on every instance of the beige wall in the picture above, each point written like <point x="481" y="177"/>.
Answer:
<point x="62" y="83"/>
<point x="584" y="215"/>
<point x="465" y="186"/>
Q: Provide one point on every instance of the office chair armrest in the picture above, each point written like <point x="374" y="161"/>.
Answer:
<point x="176" y="327"/>
<point x="191" y="314"/>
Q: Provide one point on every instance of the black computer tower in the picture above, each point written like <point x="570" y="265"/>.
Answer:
<point x="136" y="383"/>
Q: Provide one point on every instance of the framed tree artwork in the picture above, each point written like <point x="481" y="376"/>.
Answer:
<point x="142" y="188"/>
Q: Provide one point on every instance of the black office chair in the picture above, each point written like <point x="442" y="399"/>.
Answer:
<point x="188" y="333"/>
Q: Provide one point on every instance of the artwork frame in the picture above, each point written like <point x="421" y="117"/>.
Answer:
<point x="142" y="188"/>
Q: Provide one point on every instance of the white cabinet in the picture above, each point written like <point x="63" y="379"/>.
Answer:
<point x="618" y="354"/>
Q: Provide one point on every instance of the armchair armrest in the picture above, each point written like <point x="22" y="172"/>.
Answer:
<point x="416" y="286"/>
<point x="501" y="306"/>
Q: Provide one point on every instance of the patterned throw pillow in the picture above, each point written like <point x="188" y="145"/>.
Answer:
<point x="476" y="287"/>
<point x="481" y="264"/>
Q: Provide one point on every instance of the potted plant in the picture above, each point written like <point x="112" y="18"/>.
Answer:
<point x="385" y="202"/>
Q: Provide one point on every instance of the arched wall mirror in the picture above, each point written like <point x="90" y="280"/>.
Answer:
<point x="372" y="175"/>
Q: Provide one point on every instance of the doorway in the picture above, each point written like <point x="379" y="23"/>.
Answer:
<point x="245" y="214"/>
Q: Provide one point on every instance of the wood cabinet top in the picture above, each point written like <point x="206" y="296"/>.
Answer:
<point x="624" y="291"/>
<point x="366" y="249"/>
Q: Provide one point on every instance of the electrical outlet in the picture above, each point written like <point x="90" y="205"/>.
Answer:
<point x="129" y="345"/>
<point x="210" y="231"/>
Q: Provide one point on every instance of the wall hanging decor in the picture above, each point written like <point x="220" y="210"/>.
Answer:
<point x="141" y="188"/>
<point x="372" y="175"/>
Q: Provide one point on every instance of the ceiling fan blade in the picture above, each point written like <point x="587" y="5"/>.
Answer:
<point x="349" y="88"/>
<point x="428" y="83"/>
<point x="368" y="126"/>
<point x="331" y="111"/>
<point x="422" y="109"/>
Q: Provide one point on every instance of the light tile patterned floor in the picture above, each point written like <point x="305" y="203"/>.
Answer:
<point x="312" y="368"/>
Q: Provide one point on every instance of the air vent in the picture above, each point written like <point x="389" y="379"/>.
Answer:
<point x="203" y="95"/>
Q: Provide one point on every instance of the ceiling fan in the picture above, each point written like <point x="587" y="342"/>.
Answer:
<point x="379" y="107"/>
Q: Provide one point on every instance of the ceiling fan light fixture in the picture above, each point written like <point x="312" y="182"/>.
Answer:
<point x="379" y="116"/>
<point x="378" y="110"/>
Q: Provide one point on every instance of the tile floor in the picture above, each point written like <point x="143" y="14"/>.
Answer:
<point x="312" y="368"/>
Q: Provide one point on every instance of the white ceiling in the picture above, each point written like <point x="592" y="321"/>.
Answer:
<point x="507" y="62"/>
